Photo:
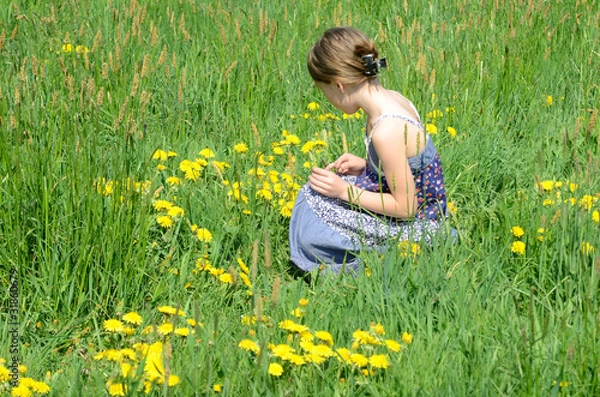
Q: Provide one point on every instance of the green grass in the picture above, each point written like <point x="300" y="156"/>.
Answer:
<point x="186" y="76"/>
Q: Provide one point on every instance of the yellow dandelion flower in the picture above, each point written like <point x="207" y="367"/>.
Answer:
<point x="282" y="351"/>
<point x="217" y="388"/>
<point x="191" y="169"/>
<point x="113" y="325"/>
<point x="184" y="331"/>
<point x="207" y="153"/>
<point x="249" y="345"/>
<point x="240" y="148"/>
<point x="286" y="209"/>
<point x="113" y="355"/>
<point x="160" y="155"/>
<point x="344" y="355"/>
<point x="275" y="369"/>
<point x="322" y="350"/>
<point x="451" y="131"/>
<point x="204" y="235"/>
<point x="246" y="280"/>
<point x="173" y="180"/>
<point x="292" y="139"/>
<point x="306" y="336"/>
<point x="431" y="129"/>
<point x="175" y="211"/>
<point x="308" y="147"/>
<point x="165" y="329"/>
<point x="517" y="231"/>
<point x="126" y="369"/>
<point x="264" y="194"/>
<point x="379" y="361"/>
<point x="167" y="309"/>
<point x="296" y="359"/>
<point x="596" y="216"/>
<point x="128" y="353"/>
<point x="5" y="373"/>
<point x="133" y="318"/>
<point x="518" y="247"/>
<point x="165" y="221"/>
<point x="291" y="326"/>
<point x="452" y="209"/>
<point x="216" y="272"/>
<point x="378" y="329"/>
<point x="226" y="278"/>
<point x="221" y="165"/>
<point x="40" y="387"/>
<point x="407" y="338"/>
<point x="313" y="106"/>
<point x="242" y="265"/>
<point x="117" y="389"/>
<point x="306" y="345"/>
<point x="546" y="186"/>
<point x="161" y="205"/>
<point x="161" y="167"/>
<point x="20" y="391"/>
<point x="549" y="100"/>
<point x="359" y="360"/>
<point x="325" y="337"/>
<point x="365" y="338"/>
<point x="315" y="358"/>
<point x="303" y="302"/>
<point x="392" y="345"/>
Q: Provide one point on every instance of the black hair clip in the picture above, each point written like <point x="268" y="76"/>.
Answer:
<point x="373" y="65"/>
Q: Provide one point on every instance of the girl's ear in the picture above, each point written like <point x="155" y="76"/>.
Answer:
<point x="341" y="87"/>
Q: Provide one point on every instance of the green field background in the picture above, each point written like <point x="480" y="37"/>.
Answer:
<point x="92" y="93"/>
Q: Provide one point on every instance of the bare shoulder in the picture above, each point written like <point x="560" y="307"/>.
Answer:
<point x="398" y="133"/>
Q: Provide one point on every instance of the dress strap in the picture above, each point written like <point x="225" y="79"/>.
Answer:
<point x="395" y="116"/>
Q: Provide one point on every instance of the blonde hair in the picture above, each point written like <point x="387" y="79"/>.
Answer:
<point x="337" y="55"/>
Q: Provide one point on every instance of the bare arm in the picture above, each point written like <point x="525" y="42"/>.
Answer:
<point x="391" y="149"/>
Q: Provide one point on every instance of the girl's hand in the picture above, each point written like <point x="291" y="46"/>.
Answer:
<point x="328" y="183"/>
<point x="348" y="164"/>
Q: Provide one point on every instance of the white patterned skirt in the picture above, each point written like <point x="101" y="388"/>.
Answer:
<point x="330" y="232"/>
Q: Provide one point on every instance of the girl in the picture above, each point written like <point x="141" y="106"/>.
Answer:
<point x="396" y="192"/>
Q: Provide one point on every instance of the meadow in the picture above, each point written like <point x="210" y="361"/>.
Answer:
<point x="150" y="155"/>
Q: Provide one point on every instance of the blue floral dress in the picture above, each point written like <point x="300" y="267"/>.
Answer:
<point x="332" y="232"/>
